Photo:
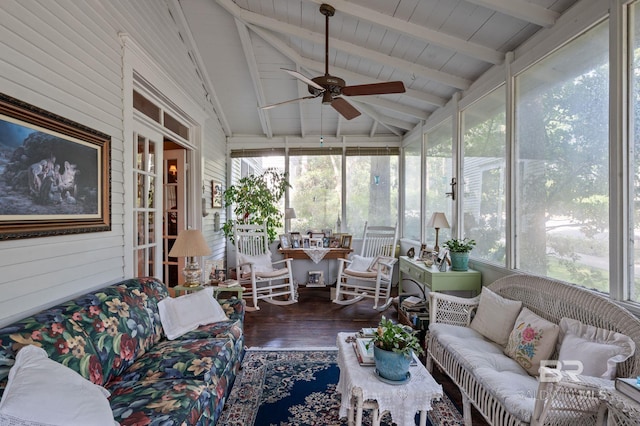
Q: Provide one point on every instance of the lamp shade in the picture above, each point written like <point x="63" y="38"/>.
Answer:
<point x="289" y="213"/>
<point x="190" y="243"/>
<point x="438" y="220"/>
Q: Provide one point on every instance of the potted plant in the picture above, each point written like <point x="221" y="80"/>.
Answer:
<point x="459" y="251"/>
<point x="393" y="348"/>
<point x="255" y="200"/>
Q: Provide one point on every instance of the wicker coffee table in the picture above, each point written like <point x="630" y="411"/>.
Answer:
<point x="362" y="390"/>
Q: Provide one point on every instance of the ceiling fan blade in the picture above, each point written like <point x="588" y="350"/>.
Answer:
<point x="347" y="110"/>
<point x="287" y="102"/>
<point x="374" y="89"/>
<point x="304" y="79"/>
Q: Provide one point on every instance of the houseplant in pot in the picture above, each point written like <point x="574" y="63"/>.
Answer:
<point x="255" y="199"/>
<point x="459" y="251"/>
<point x="393" y="348"/>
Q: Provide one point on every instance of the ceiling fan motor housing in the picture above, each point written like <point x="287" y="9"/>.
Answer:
<point x="330" y="83"/>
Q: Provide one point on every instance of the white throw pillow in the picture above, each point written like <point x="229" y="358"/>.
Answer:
<point x="182" y="314"/>
<point x="261" y="263"/>
<point x="41" y="391"/>
<point x="598" y="349"/>
<point x="360" y="263"/>
<point x="495" y="316"/>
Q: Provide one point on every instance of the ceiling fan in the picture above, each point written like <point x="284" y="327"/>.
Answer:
<point x="332" y="88"/>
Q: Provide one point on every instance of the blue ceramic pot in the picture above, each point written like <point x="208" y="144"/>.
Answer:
<point x="459" y="261"/>
<point x="392" y="365"/>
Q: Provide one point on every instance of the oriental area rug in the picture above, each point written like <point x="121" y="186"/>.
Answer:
<point x="288" y="387"/>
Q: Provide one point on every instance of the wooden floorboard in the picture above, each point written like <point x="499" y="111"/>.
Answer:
<point x="315" y="322"/>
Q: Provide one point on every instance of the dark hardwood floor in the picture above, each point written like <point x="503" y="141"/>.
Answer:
<point x="315" y="322"/>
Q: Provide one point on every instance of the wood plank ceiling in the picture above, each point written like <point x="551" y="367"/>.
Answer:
<point x="435" y="47"/>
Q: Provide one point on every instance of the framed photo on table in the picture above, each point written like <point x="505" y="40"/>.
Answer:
<point x="284" y="241"/>
<point x="345" y="242"/>
<point x="296" y="240"/>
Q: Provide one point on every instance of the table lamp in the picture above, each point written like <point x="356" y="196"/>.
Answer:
<point x="190" y="244"/>
<point x="438" y="220"/>
<point x="289" y="213"/>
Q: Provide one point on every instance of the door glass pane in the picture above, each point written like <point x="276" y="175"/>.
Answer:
<point x="562" y="161"/>
<point x="483" y="186"/>
<point x="140" y="153"/>
<point x="151" y="194"/>
<point x="140" y="262"/>
<point x="152" y="226"/>
<point x="141" y="191"/>
<point x="142" y="232"/>
<point x="151" y="161"/>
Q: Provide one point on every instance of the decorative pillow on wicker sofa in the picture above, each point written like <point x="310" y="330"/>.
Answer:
<point x="180" y="315"/>
<point x="599" y="350"/>
<point x="532" y="339"/>
<point x="495" y="316"/>
<point x="261" y="263"/>
<point x="41" y="391"/>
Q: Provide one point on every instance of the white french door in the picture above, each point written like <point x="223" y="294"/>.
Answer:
<point x="147" y="204"/>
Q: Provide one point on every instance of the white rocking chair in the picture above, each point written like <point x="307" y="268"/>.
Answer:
<point x="266" y="280"/>
<point x="369" y="274"/>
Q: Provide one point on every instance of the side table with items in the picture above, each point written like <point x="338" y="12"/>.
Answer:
<point x="360" y="390"/>
<point x="225" y="286"/>
<point x="621" y="409"/>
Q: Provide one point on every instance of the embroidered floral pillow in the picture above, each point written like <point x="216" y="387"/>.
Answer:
<point x="532" y="340"/>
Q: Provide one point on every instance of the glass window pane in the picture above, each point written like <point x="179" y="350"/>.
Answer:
<point x="634" y="87"/>
<point x="483" y="186"/>
<point x="316" y="182"/>
<point x="562" y="199"/>
<point x="439" y="171"/>
<point x="372" y="192"/>
<point x="412" y="191"/>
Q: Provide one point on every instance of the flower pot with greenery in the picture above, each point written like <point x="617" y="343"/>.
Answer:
<point x="459" y="252"/>
<point x="256" y="200"/>
<point x="393" y="348"/>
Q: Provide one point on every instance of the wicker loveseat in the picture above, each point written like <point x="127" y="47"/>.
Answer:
<point x="114" y="338"/>
<point x="501" y="393"/>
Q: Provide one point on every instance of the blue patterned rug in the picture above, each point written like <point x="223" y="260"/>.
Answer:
<point x="298" y="387"/>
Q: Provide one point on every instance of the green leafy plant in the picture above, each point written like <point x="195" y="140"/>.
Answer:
<point x="396" y="337"/>
<point x="255" y="200"/>
<point x="460" y="246"/>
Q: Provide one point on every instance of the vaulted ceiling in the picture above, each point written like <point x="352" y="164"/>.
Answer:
<point x="435" y="47"/>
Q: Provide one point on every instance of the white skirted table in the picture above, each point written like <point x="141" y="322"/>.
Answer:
<point x="361" y="390"/>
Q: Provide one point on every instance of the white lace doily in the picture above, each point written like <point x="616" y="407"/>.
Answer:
<point x="316" y="254"/>
<point x="401" y="401"/>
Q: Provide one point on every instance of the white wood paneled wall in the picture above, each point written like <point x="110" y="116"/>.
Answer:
<point x="64" y="56"/>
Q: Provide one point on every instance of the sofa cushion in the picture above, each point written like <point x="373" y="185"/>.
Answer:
<point x="495" y="316"/>
<point x="61" y="395"/>
<point x="121" y="321"/>
<point x="172" y="402"/>
<point x="500" y="375"/>
<point x="599" y="350"/>
<point x="532" y="340"/>
<point x="202" y="359"/>
<point x="182" y="314"/>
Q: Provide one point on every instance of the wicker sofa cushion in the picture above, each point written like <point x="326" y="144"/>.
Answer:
<point x="500" y="375"/>
<point x="599" y="350"/>
<point x="496" y="316"/>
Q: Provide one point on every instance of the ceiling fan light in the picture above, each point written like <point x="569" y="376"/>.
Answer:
<point x="326" y="98"/>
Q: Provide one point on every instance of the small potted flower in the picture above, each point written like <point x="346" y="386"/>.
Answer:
<point x="393" y="348"/>
<point x="459" y="251"/>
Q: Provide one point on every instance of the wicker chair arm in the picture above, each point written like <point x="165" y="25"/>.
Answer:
<point x="448" y="309"/>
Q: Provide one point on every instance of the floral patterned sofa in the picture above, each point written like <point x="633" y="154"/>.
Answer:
<point x="114" y="338"/>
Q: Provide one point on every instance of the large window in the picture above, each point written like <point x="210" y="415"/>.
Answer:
<point x="316" y="182"/>
<point x="562" y="176"/>
<point x="483" y="186"/>
<point x="439" y="171"/>
<point x="371" y="190"/>
<point x="412" y="190"/>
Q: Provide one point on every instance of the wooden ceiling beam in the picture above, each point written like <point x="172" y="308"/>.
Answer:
<point x="520" y="9"/>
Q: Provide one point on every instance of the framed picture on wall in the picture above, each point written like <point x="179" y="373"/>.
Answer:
<point x="56" y="174"/>
<point x="216" y="194"/>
